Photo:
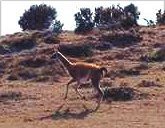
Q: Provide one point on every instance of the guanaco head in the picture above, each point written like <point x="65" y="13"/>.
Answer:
<point x="55" y="55"/>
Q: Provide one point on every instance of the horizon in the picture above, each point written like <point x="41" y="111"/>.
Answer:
<point x="67" y="17"/>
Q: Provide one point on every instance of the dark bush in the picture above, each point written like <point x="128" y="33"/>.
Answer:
<point x="145" y="83"/>
<point x="40" y="17"/>
<point x="51" y="40"/>
<point x="121" y="39"/>
<point x="25" y="75"/>
<point x="10" y="95"/>
<point x="116" y="17"/>
<point x="37" y="17"/>
<point x="4" y="50"/>
<point x="160" y="17"/>
<point x="12" y="77"/>
<point x="132" y="15"/>
<point x="123" y="94"/>
<point x="142" y="66"/>
<point x="76" y="50"/>
<point x="17" y="46"/>
<point x="108" y="15"/>
<point x="149" y="22"/>
<point x="156" y="55"/>
<point x="103" y="46"/>
<point x="57" y="27"/>
<point x="129" y="72"/>
<point x="119" y="94"/>
<point x="34" y="63"/>
<point x="84" y="21"/>
<point x="22" y="45"/>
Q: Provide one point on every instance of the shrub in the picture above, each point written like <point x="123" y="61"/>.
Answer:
<point x="114" y="17"/>
<point x="4" y="49"/>
<point x="107" y="15"/>
<point x="160" y="17"/>
<point x="10" y="95"/>
<point x="57" y="27"/>
<point x="40" y="17"/>
<point x="103" y="46"/>
<point x="145" y="83"/>
<point x="26" y="75"/>
<point x="51" y="40"/>
<point x="129" y="72"/>
<point x="121" y="39"/>
<point x="17" y="46"/>
<point x="12" y="77"/>
<point x="156" y="55"/>
<point x="149" y="22"/>
<point x="34" y="63"/>
<point x="123" y="94"/>
<point x="22" y="45"/>
<point x="84" y="21"/>
<point x="132" y="15"/>
<point x="76" y="50"/>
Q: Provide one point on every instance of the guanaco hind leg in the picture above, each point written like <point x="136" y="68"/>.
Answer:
<point x="78" y="92"/>
<point x="96" y="85"/>
<point x="67" y="86"/>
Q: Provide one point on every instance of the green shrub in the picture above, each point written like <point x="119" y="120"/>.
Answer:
<point x="22" y="45"/>
<point x="57" y="27"/>
<point x="26" y="75"/>
<point x="76" y="50"/>
<point x="107" y="15"/>
<point x="149" y="22"/>
<point x="156" y="55"/>
<point x="17" y="46"/>
<point x="40" y="17"/>
<point x="84" y="21"/>
<point x="121" y="39"/>
<point x="117" y="16"/>
<point x="160" y="17"/>
<point x="123" y="94"/>
<point x="34" y="63"/>
<point x="132" y="15"/>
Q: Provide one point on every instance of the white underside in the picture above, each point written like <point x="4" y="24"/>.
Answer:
<point x="85" y="79"/>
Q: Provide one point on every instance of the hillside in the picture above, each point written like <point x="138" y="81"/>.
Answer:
<point x="32" y="86"/>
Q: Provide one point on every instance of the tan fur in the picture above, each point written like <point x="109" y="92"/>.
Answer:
<point x="83" y="72"/>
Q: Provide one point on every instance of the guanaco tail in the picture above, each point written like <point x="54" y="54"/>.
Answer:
<point x="81" y="73"/>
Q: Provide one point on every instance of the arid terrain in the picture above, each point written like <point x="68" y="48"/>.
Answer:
<point x="32" y="86"/>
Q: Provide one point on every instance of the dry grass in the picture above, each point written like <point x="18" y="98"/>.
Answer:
<point x="32" y="86"/>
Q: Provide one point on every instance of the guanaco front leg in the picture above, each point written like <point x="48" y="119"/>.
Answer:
<point x="96" y="85"/>
<point x="67" y="86"/>
<point x="78" y="92"/>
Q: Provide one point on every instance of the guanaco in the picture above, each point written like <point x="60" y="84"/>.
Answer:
<point x="82" y="72"/>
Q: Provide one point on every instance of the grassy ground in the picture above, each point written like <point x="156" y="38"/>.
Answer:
<point x="32" y="87"/>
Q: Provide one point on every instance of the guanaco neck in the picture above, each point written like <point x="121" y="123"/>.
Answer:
<point x="64" y="60"/>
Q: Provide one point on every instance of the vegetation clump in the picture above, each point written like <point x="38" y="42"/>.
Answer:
<point x="121" y="39"/>
<point x="160" y="17"/>
<point x="34" y="63"/>
<point x="40" y="17"/>
<point x="84" y="21"/>
<point x="76" y="50"/>
<point x="122" y="94"/>
<point x="114" y="17"/>
<point x="17" y="46"/>
<point x="155" y="55"/>
<point x="107" y="18"/>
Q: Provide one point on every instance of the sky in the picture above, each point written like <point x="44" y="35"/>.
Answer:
<point x="12" y="10"/>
